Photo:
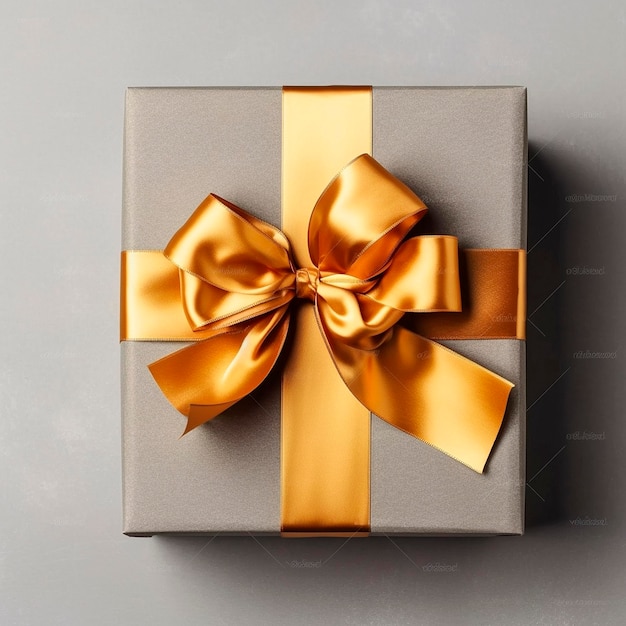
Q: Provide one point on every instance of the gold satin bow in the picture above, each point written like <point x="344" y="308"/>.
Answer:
<point x="238" y="281"/>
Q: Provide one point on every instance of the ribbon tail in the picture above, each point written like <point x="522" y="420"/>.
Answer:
<point x="428" y="391"/>
<point x="206" y="378"/>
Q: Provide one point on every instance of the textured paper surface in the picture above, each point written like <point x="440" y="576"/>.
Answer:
<point x="462" y="150"/>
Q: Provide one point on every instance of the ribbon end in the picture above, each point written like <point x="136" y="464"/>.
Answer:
<point x="498" y="415"/>
<point x="192" y="422"/>
<point x="188" y="428"/>
<point x="199" y="414"/>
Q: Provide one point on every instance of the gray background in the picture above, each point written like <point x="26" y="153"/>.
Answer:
<point x="63" y="70"/>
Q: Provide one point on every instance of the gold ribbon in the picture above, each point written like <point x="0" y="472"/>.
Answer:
<point x="239" y="284"/>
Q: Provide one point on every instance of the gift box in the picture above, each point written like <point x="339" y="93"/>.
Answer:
<point x="288" y="457"/>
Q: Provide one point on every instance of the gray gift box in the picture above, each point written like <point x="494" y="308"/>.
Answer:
<point x="463" y="151"/>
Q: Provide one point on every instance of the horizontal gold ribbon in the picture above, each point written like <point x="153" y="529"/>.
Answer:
<point x="493" y="293"/>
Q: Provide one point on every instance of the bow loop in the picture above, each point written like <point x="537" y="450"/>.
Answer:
<point x="360" y="219"/>
<point x="230" y="249"/>
<point x="423" y="275"/>
<point x="231" y="264"/>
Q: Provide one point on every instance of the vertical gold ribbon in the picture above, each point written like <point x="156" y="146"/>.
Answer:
<point x="325" y="445"/>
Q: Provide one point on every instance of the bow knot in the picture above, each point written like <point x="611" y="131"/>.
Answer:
<point x="306" y="283"/>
